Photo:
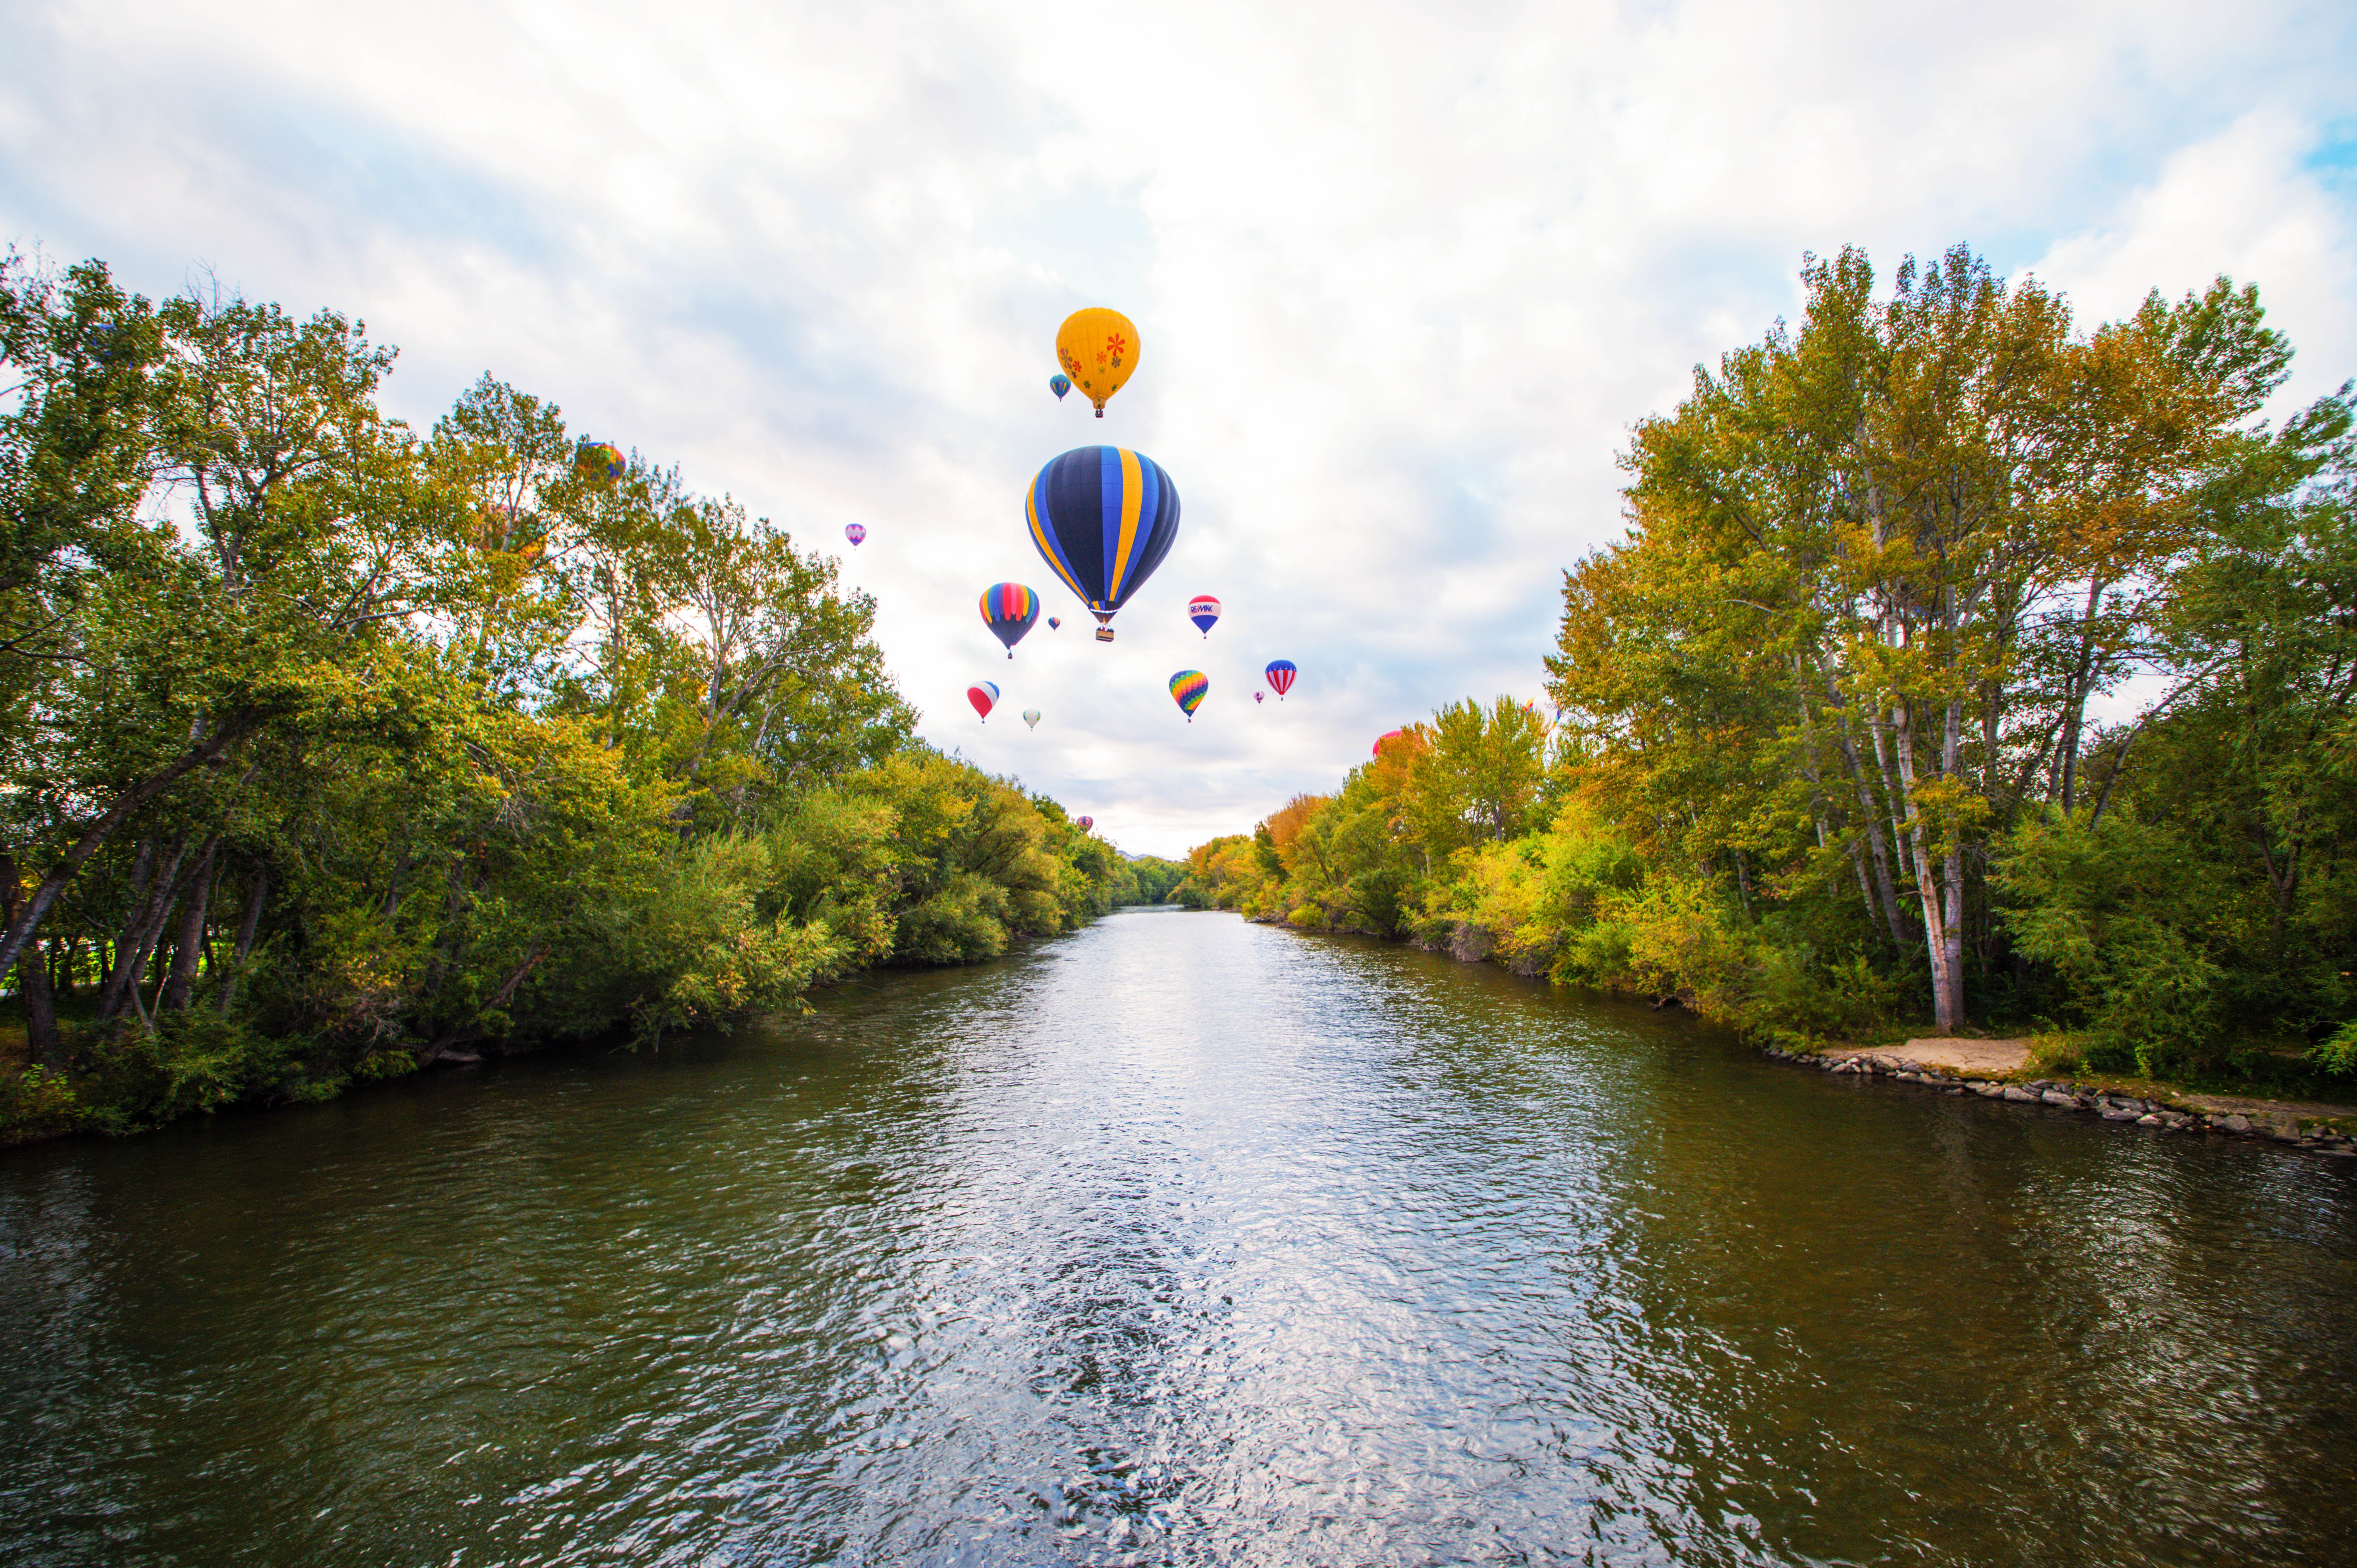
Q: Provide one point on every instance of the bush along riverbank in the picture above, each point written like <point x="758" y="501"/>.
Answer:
<point x="1819" y="756"/>
<point x="336" y="749"/>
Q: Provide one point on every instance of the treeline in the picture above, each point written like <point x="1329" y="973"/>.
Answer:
<point x="334" y="748"/>
<point x="1827" y="759"/>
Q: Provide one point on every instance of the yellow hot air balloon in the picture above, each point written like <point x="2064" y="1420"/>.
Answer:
<point x="1098" y="349"/>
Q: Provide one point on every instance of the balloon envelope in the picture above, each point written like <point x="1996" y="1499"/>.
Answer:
<point x="1008" y="609"/>
<point x="1098" y="349"/>
<point x="1204" y="611"/>
<point x="1186" y="688"/>
<point x="1059" y="383"/>
<point x="1387" y="734"/>
<point x="1053" y="623"/>
<point x="1103" y="517"/>
<point x="1087" y="822"/>
<point x="854" y="532"/>
<point x="1031" y="717"/>
<point x="984" y="695"/>
<point x="600" y="460"/>
<point x="1280" y="674"/>
<point x="1259" y="697"/>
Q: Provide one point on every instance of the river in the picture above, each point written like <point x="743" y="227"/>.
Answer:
<point x="1179" y="1240"/>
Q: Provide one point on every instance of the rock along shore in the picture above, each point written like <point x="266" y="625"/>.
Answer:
<point x="2280" y="1126"/>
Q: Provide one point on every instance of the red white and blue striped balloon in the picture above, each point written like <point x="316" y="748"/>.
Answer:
<point x="984" y="695"/>
<point x="1204" y="611"/>
<point x="1280" y="674"/>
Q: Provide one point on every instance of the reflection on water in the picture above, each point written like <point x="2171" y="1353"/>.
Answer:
<point x="1178" y="1241"/>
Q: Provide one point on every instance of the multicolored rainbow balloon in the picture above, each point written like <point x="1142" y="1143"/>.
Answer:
<point x="1187" y="689"/>
<point x="984" y="695"/>
<point x="600" y="460"/>
<point x="1008" y="609"/>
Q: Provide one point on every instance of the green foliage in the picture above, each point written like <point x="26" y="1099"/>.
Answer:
<point x="369" y="748"/>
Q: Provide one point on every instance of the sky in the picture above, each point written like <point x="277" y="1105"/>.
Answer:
<point x="1403" y="275"/>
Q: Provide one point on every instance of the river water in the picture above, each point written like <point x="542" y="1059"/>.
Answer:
<point x="1180" y="1240"/>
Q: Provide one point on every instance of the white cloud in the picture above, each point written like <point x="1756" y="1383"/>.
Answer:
<point x="1403" y="273"/>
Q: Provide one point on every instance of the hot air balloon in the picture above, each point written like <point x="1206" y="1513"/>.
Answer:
<point x="1053" y="623"/>
<point x="1088" y="823"/>
<point x="1009" y="609"/>
<point x="1280" y="674"/>
<point x="1204" y="611"/>
<point x="1186" y="688"/>
<point x="854" y="532"/>
<point x="1031" y="717"/>
<point x="1103" y="517"/>
<point x="1259" y="697"/>
<point x="1098" y="349"/>
<point x="1059" y="383"/>
<point x="600" y="460"/>
<point x="1387" y="734"/>
<point x="984" y="695"/>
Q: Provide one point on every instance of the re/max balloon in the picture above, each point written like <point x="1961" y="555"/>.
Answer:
<point x="1204" y="611"/>
<point x="1098" y="349"/>
<point x="1008" y="609"/>
<point x="984" y="695"/>
<point x="1031" y="717"/>
<point x="1186" y="688"/>
<point x="854" y="532"/>
<point x="1103" y="517"/>
<point x="1059" y="383"/>
<point x="600" y="460"/>
<point x="1280" y="673"/>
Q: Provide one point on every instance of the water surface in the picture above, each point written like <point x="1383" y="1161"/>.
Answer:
<point x="1180" y="1240"/>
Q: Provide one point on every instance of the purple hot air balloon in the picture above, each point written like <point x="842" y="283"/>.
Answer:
<point x="1088" y="824"/>
<point x="1259" y="697"/>
<point x="854" y="532"/>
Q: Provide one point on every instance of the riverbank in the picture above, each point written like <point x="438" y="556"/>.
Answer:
<point x="1998" y="1069"/>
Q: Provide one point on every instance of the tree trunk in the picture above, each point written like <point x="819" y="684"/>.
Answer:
<point x="1939" y="946"/>
<point x="2075" y="700"/>
<point x="140" y="934"/>
<point x="40" y="1008"/>
<point x="1868" y="815"/>
<point x="248" y="921"/>
<point x="189" y="946"/>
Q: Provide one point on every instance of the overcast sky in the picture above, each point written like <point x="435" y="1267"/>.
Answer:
<point x="1403" y="275"/>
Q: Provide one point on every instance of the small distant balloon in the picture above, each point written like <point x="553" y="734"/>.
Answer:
<point x="856" y="531"/>
<point x="1008" y="609"/>
<point x="600" y="460"/>
<point x="1204" y="611"/>
<point x="1280" y="673"/>
<point x="108" y="342"/>
<point x="1087" y="823"/>
<point x="1259" y="697"/>
<point x="1187" y="689"/>
<point x="1059" y="383"/>
<point x="1098" y="349"/>
<point x="1053" y="623"/>
<point x="984" y="695"/>
<point x="1387" y="734"/>
<point x="1031" y="717"/>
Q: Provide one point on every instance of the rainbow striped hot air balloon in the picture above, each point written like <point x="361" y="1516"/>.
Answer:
<point x="1008" y="609"/>
<point x="1088" y="824"/>
<point x="1280" y="673"/>
<point x="984" y="695"/>
<point x="1186" y="688"/>
<point x="856" y="531"/>
<point x="1103" y="517"/>
<point x="1204" y="611"/>
<point x="600" y="460"/>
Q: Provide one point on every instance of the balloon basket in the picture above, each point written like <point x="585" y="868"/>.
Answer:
<point x="1104" y="634"/>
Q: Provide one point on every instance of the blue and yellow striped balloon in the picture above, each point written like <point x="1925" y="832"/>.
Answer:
<point x="1009" y="609"/>
<point x="1188" y="688"/>
<point x="1103" y="517"/>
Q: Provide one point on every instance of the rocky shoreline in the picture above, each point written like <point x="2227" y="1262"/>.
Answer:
<point x="2277" y="1126"/>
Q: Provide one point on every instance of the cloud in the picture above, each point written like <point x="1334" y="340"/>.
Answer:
<point x="1404" y="274"/>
